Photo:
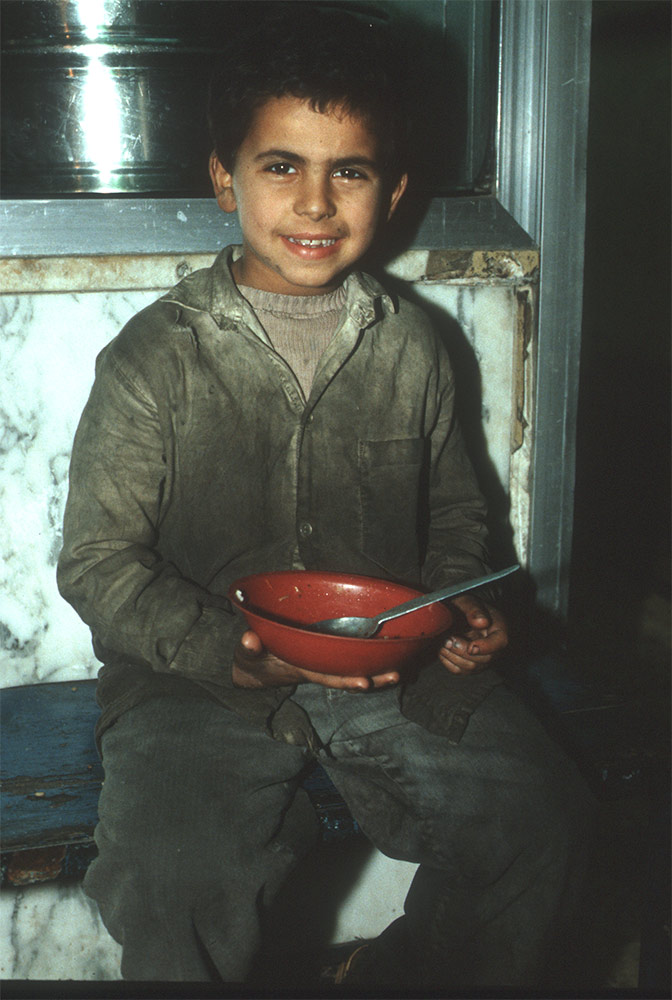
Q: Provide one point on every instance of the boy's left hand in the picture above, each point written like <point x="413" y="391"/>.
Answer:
<point x="484" y="634"/>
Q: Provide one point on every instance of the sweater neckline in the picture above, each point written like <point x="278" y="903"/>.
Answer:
<point x="295" y="306"/>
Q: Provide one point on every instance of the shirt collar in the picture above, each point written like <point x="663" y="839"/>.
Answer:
<point x="214" y="290"/>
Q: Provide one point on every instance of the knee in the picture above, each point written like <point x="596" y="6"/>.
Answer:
<point x="543" y="827"/>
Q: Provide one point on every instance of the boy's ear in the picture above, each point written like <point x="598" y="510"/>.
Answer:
<point x="396" y="195"/>
<point x="222" y="185"/>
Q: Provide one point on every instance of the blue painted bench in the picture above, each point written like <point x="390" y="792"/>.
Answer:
<point x="51" y="777"/>
<point x="51" y="773"/>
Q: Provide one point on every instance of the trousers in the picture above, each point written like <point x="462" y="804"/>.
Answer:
<point x="202" y="818"/>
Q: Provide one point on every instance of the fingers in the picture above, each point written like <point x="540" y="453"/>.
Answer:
<point x="462" y="664"/>
<point x="479" y="646"/>
<point x="255" y="667"/>
<point x="483" y="643"/>
<point x="485" y="637"/>
<point x="474" y="610"/>
<point x="385" y="680"/>
<point x="251" y="643"/>
<point x="333" y="680"/>
<point x="347" y="683"/>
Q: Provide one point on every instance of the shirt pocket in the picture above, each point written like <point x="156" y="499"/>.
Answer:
<point x="391" y="498"/>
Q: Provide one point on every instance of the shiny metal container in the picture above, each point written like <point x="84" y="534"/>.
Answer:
<point x="108" y="96"/>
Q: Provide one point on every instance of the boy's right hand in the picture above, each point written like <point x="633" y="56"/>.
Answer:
<point x="254" y="667"/>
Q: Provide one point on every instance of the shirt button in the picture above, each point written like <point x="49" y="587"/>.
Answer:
<point x="305" y="529"/>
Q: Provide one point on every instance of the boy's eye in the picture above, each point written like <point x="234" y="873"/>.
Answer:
<point x="281" y="168"/>
<point x="350" y="174"/>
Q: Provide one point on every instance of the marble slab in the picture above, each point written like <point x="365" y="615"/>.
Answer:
<point x="478" y="322"/>
<point x="54" y="932"/>
<point x="47" y="353"/>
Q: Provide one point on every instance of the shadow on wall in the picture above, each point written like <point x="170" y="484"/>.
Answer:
<point x="469" y="409"/>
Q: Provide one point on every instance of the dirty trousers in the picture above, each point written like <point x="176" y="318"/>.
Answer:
<point x="202" y="819"/>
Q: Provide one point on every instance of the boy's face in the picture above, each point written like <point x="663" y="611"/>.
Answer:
<point x="310" y="194"/>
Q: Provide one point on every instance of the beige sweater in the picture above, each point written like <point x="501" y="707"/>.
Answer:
<point x="298" y="326"/>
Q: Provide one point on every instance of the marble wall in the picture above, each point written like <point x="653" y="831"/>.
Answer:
<point x="53" y="932"/>
<point x="55" y="316"/>
<point x="48" y="348"/>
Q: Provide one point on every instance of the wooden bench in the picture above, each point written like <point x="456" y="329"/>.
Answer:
<point x="51" y="778"/>
<point x="51" y="773"/>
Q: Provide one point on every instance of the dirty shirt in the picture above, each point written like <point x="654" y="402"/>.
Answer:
<point x="198" y="460"/>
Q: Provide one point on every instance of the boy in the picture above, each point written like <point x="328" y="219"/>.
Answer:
<point x="279" y="410"/>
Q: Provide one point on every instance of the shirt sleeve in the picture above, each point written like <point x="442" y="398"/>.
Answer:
<point x="456" y="547"/>
<point x="110" y="569"/>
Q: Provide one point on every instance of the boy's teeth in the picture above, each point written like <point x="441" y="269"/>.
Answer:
<point x="311" y="243"/>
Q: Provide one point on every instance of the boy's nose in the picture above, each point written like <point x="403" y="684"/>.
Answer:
<point x="315" y="200"/>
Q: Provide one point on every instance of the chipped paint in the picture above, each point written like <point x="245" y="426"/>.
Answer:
<point x="522" y="428"/>
<point x="124" y="272"/>
<point x="523" y="336"/>
<point x="98" y="274"/>
<point x="479" y="266"/>
<point x="41" y="864"/>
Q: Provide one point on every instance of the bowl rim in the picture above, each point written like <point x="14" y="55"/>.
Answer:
<point x="353" y="577"/>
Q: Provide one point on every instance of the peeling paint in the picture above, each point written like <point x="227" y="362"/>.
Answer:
<point x="522" y="334"/>
<point x="522" y="428"/>
<point x="98" y="274"/>
<point x="40" y="865"/>
<point x="122" y="272"/>
<point x="478" y="266"/>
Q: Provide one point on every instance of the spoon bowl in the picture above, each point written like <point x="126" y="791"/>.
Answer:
<point x="362" y="627"/>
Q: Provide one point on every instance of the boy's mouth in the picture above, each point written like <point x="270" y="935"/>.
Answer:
<point x="311" y="242"/>
<point x="307" y="247"/>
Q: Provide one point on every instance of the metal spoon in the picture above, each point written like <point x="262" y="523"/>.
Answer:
<point x="360" y="627"/>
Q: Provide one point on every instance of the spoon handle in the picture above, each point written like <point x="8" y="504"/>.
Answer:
<point x="444" y="594"/>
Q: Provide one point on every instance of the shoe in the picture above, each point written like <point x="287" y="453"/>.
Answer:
<point x="350" y="968"/>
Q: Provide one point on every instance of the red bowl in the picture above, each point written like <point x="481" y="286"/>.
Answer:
<point x="277" y="605"/>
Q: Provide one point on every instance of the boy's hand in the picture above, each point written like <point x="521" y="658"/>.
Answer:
<point x="483" y="635"/>
<point x="254" y="667"/>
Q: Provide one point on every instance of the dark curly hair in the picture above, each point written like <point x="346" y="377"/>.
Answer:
<point x="332" y="57"/>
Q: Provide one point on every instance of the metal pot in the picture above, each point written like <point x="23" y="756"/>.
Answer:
<point x="108" y="96"/>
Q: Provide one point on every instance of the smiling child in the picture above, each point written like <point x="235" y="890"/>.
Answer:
<point x="281" y="410"/>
